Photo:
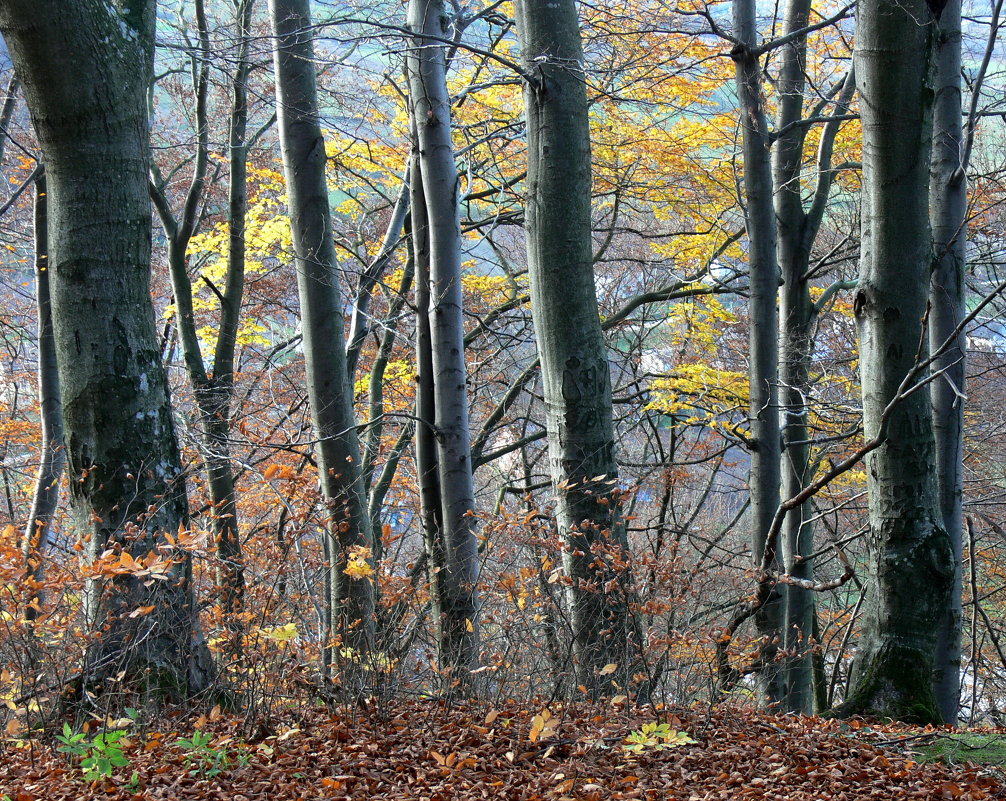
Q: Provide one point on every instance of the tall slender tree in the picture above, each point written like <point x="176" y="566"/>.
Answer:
<point x="797" y="226"/>
<point x="763" y="278"/>
<point x="349" y="614"/>
<point x="214" y="388"/>
<point x="85" y="67"/>
<point x="948" y="187"/>
<point x="437" y="232"/>
<point x="45" y="497"/>
<point x="571" y="347"/>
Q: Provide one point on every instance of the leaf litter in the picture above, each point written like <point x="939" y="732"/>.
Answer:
<point x="427" y="751"/>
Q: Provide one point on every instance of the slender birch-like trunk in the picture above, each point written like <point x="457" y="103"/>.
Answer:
<point x="45" y="498"/>
<point x="350" y="602"/>
<point x="948" y="214"/>
<point x="436" y="169"/>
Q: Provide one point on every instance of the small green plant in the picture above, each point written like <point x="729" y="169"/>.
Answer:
<point x="657" y="736"/>
<point x="206" y="760"/>
<point x="99" y="757"/>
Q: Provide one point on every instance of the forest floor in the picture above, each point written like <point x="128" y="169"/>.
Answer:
<point x="422" y="750"/>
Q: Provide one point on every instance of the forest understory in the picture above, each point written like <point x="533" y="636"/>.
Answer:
<point x="429" y="751"/>
<point x="645" y="352"/>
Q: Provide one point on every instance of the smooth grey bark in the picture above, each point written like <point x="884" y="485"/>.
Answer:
<point x="765" y="475"/>
<point x="910" y="558"/>
<point x="574" y="364"/>
<point x="214" y="391"/>
<point x="436" y="169"/>
<point x="427" y="471"/>
<point x="85" y="67"/>
<point x="948" y="215"/>
<point x="375" y="428"/>
<point x="45" y="498"/>
<point x="796" y="313"/>
<point x="359" y="321"/>
<point x="797" y="225"/>
<point x="349" y="607"/>
<point x="7" y="111"/>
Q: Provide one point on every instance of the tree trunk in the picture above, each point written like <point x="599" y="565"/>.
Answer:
<point x="215" y="410"/>
<point x="7" y="111"/>
<point x="910" y="568"/>
<point x="763" y="321"/>
<point x="85" y="67"/>
<point x="431" y="107"/>
<point x="53" y="455"/>
<point x="214" y="393"/>
<point x="796" y="229"/>
<point x="796" y="312"/>
<point x="571" y="347"/>
<point x="948" y="205"/>
<point x="427" y="472"/>
<point x="359" y="323"/>
<point x="375" y="416"/>
<point x="350" y="605"/>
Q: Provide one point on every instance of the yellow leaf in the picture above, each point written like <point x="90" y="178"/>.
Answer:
<point x="358" y="564"/>
<point x="281" y="633"/>
<point x="608" y="669"/>
<point x="543" y="726"/>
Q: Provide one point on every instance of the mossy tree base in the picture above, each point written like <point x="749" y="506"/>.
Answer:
<point x="895" y="682"/>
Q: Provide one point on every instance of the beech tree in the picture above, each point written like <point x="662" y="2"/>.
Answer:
<point x="349" y="598"/>
<point x="214" y="388"/>
<point x="443" y="434"/>
<point x="574" y="360"/>
<point x="798" y="222"/>
<point x="763" y="277"/>
<point x="85" y="68"/>
<point x="910" y="562"/>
